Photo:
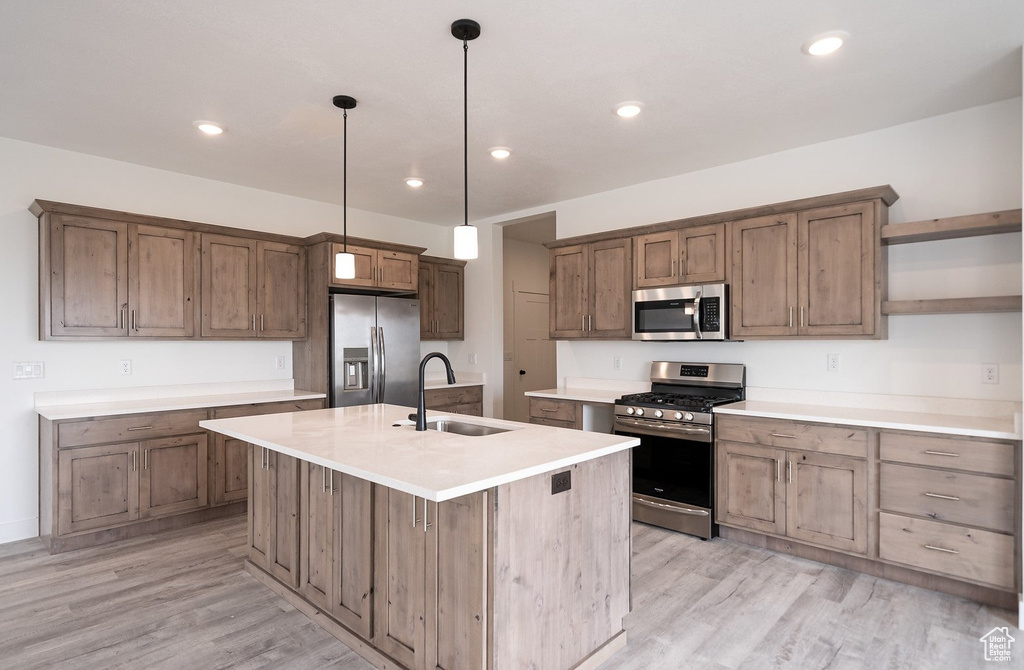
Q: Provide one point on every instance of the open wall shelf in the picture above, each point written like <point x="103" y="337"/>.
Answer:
<point x="1002" y="303"/>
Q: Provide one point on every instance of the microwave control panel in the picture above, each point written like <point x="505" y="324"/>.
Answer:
<point x="711" y="315"/>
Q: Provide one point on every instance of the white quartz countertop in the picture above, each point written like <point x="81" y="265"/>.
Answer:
<point x="362" y="441"/>
<point x="606" y="396"/>
<point x="949" y="424"/>
<point x="114" y="407"/>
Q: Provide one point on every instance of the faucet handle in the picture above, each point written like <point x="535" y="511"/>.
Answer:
<point x="413" y="416"/>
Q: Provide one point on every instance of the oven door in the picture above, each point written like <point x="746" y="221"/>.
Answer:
<point x="673" y="481"/>
<point x="680" y="313"/>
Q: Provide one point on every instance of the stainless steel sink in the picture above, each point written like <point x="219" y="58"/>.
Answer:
<point x="463" y="428"/>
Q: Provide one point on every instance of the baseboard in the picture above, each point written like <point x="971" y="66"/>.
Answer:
<point x="21" y="529"/>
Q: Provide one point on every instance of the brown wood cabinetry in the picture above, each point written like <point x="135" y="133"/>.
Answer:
<point x="163" y="281"/>
<point x="691" y="255"/>
<point x="764" y="276"/>
<point x="281" y="290"/>
<point x="274" y="525"/>
<point x="102" y="489"/>
<point x="459" y="400"/>
<point x="750" y="490"/>
<point x="441" y="291"/>
<point x="591" y="290"/>
<point x="556" y="413"/>
<point x="378" y="268"/>
<point x="173" y="476"/>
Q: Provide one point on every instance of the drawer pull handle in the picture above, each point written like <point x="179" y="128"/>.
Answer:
<point x="792" y="437"/>
<point x="941" y="453"/>
<point x="939" y="495"/>
<point x="141" y="428"/>
<point x="549" y="409"/>
<point x="943" y="550"/>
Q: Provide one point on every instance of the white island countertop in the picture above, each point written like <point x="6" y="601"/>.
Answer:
<point x="362" y="441"/>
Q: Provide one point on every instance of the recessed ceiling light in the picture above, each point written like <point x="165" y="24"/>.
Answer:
<point x="501" y="152"/>
<point x="824" y="44"/>
<point x="414" y="182"/>
<point x="628" y="110"/>
<point x="209" y="127"/>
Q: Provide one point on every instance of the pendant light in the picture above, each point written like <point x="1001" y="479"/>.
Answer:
<point x="345" y="262"/>
<point x="465" y="235"/>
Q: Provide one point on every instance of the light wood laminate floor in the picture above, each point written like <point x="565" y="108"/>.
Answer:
<point x="182" y="600"/>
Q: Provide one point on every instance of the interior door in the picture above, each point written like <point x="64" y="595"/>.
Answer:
<point x="533" y="350"/>
<point x="163" y="271"/>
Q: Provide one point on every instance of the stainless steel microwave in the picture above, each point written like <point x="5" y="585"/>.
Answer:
<point x="681" y="313"/>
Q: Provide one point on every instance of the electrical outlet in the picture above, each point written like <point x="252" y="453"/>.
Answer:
<point x="833" y="363"/>
<point x="27" y="370"/>
<point x="617" y="363"/>
<point x="472" y="359"/>
<point x="125" y="366"/>
<point x="279" y="363"/>
<point x="989" y="373"/>
<point x="561" y="482"/>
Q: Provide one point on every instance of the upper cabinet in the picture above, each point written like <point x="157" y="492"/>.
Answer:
<point x="764" y="293"/>
<point x="379" y="268"/>
<point x="591" y="290"/>
<point x="689" y="256"/>
<point x="442" y="298"/>
<point x="281" y="290"/>
<point x="101" y="278"/>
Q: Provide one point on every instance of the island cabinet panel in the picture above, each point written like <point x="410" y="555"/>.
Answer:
<point x="827" y="501"/>
<point x="174" y="475"/>
<point x="163" y="271"/>
<point x="229" y="287"/>
<point x="281" y="290"/>
<point x="260" y="504"/>
<point x="317" y="535"/>
<point x="274" y="487"/>
<point x="103" y="487"/>
<point x="764" y="276"/>
<point x="399" y="577"/>
<point x="751" y="493"/>
<point x="88" y="263"/>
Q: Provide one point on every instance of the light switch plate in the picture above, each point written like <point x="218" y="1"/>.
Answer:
<point x="27" y="370"/>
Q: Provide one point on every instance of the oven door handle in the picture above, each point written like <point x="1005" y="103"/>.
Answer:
<point x="671" y="508"/>
<point x="663" y="430"/>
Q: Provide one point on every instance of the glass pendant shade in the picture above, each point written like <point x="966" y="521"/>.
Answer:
<point x="465" y="243"/>
<point x="345" y="265"/>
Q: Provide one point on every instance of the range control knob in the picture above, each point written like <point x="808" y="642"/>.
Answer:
<point x="639" y="411"/>
<point x="630" y="410"/>
<point x="658" y="414"/>
<point x="677" y="416"/>
<point x="689" y="416"/>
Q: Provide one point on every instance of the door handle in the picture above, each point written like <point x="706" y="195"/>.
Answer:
<point x="425" y="524"/>
<point x="261" y="323"/>
<point x="133" y="322"/>
<point x="383" y="362"/>
<point x="522" y="372"/>
<point x="375" y="363"/>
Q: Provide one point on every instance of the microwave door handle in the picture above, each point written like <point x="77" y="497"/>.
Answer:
<point x="696" y="315"/>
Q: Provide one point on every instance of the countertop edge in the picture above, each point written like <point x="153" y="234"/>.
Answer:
<point x="90" y="410"/>
<point x="580" y="395"/>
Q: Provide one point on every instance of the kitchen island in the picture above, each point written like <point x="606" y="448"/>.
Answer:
<point x="437" y="549"/>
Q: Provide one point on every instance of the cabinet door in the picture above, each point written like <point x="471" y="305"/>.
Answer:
<point x="655" y="259"/>
<point x="569" y="286"/>
<point x="283" y="558"/>
<point x="399" y="576"/>
<point x="449" y="302"/>
<point x="260" y="505"/>
<point x="425" y="294"/>
<point x="456" y="595"/>
<point x="174" y="471"/>
<point x="398" y="270"/>
<point x="751" y="492"/>
<point x="611" y="294"/>
<point x="163" y="272"/>
<point x="316" y="551"/>
<point x="702" y="254"/>
<point x="281" y="294"/>
<point x="837" y="270"/>
<point x="230" y="470"/>
<point x="366" y="266"/>
<point x="827" y="500"/>
<point x="352" y="594"/>
<point x="229" y="287"/>
<point x="88" y="277"/>
<point x="764" y="277"/>
<point x="97" y="487"/>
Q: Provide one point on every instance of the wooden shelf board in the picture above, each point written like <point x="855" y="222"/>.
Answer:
<point x="1003" y="303"/>
<point x="991" y="223"/>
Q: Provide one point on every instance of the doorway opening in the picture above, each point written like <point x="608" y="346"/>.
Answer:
<point x="529" y="360"/>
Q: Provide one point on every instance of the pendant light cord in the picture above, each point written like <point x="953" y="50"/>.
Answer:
<point x="344" y="183"/>
<point x="465" y="127"/>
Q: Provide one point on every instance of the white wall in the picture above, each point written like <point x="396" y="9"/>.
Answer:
<point x="961" y="163"/>
<point x="29" y="171"/>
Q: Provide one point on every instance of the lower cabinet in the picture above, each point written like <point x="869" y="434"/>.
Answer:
<point x="274" y="522"/>
<point x="458" y="400"/>
<point x="750" y="489"/>
<point x="103" y="487"/>
<point x="556" y="413"/>
<point x="173" y="476"/>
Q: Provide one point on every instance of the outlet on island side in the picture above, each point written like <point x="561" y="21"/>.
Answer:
<point x="561" y="482"/>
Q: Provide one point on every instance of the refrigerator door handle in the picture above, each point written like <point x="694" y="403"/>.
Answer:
<point x="375" y="363"/>
<point x="383" y="362"/>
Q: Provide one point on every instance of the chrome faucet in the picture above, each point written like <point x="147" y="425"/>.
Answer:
<point x="421" y="411"/>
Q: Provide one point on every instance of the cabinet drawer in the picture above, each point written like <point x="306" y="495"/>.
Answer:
<point x="435" y="398"/>
<point x="942" y="495"/>
<point x="994" y="458"/>
<point x="559" y="410"/>
<point x="978" y="555"/>
<point x="265" y="408"/>
<point x="793" y="435"/>
<point x="554" y="423"/>
<point x="134" y="427"/>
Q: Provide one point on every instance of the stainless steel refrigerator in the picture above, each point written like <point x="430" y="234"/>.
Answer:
<point x="375" y="350"/>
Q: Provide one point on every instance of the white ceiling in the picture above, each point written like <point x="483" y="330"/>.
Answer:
<point x="722" y="81"/>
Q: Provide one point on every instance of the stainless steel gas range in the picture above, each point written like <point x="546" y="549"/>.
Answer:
<point x="674" y="466"/>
